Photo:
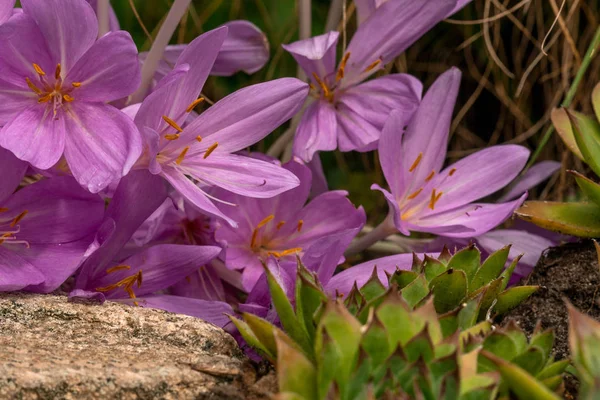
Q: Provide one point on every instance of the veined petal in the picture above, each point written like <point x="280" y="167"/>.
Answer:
<point x="16" y="273"/>
<point x="390" y="30"/>
<point x="204" y="284"/>
<point x="319" y="181"/>
<point x="390" y="151"/>
<point x="70" y="28"/>
<point x="317" y="130"/>
<point x="14" y="99"/>
<point x="355" y="132"/>
<point x="6" y="10"/>
<point x="534" y="176"/>
<point x="316" y="55"/>
<point x="108" y="71"/>
<point x="102" y="144"/>
<point x="35" y="136"/>
<point x="13" y="171"/>
<point x="364" y="8"/>
<point x="242" y="175"/>
<point x="247" y="115"/>
<point x="246" y="49"/>
<point x="467" y="221"/>
<point x="193" y="194"/>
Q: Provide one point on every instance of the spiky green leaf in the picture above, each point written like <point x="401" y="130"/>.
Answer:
<point x="577" y="219"/>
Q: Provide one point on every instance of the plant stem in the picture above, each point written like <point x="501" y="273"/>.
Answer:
<point x="165" y="33"/>
<point x="380" y="232"/>
<point x="587" y="59"/>
<point x="305" y="26"/>
<point x="103" y="17"/>
<point x="335" y="15"/>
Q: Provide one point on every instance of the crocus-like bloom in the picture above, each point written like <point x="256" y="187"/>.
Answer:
<point x="245" y="49"/>
<point x="45" y="229"/>
<point x="205" y="147"/>
<point x="426" y="198"/>
<point x="283" y="226"/>
<point x="364" y="8"/>
<point x="56" y="80"/>
<point x="348" y="114"/>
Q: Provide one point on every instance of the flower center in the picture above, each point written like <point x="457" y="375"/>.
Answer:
<point x="262" y="243"/>
<point x="8" y="234"/>
<point x="51" y="91"/>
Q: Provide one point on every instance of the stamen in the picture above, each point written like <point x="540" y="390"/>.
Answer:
<point x="280" y="224"/>
<point x="430" y="176"/>
<point x="181" y="156"/>
<point x="322" y="84"/>
<point x="415" y="164"/>
<point x="340" y="72"/>
<point x="3" y="209"/>
<point x="46" y="98"/>
<point x="117" y="268"/>
<point x="57" y="71"/>
<point x="199" y="138"/>
<point x="415" y="194"/>
<point x="172" y="123"/>
<point x="127" y="284"/>
<point x="372" y="66"/>
<point x="300" y="224"/>
<point x="253" y="239"/>
<point x="173" y="136"/>
<point x="452" y="171"/>
<point x="188" y="279"/>
<point x="265" y="221"/>
<point x="434" y="198"/>
<point x="68" y="98"/>
<point x="210" y="149"/>
<point x="284" y="253"/>
<point x="312" y="87"/>
<point x="32" y="86"/>
<point x="76" y="84"/>
<point x="38" y="69"/>
<point x="194" y="104"/>
<point x="18" y="218"/>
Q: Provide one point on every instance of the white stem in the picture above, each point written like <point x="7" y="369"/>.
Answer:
<point x="335" y="15"/>
<point x="380" y="232"/>
<point x="155" y="54"/>
<point x="103" y="17"/>
<point x="305" y="22"/>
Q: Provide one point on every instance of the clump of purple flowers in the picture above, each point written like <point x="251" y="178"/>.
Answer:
<point x="145" y="199"/>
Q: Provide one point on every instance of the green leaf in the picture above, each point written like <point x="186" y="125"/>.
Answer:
<point x="432" y="267"/>
<point x="309" y="298"/>
<point x="587" y="136"/>
<point x="512" y="297"/>
<point x="266" y="349"/>
<point x="584" y="342"/>
<point x="523" y="385"/>
<point x="507" y="274"/>
<point x="467" y="260"/>
<point x="375" y="341"/>
<point x="500" y="344"/>
<point x="416" y="291"/>
<point x="556" y="368"/>
<point x="490" y="269"/>
<point x="490" y="295"/>
<point x="577" y="219"/>
<point x="467" y="317"/>
<point x="596" y="101"/>
<point x="328" y="358"/>
<point x="590" y="189"/>
<point x="449" y="290"/>
<point x="295" y="373"/>
<point x="449" y="322"/>
<point x="394" y="314"/>
<point x="562" y="124"/>
<point x="420" y="346"/>
<point x="402" y="278"/>
<point x="373" y="288"/>
<point x="544" y="340"/>
<point x="532" y="360"/>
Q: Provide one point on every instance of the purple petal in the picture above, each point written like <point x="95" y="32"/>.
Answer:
<point x="13" y="171"/>
<point x="86" y="297"/>
<point x="390" y="30"/>
<point x="390" y="148"/>
<point x="245" y="49"/>
<point x="259" y="109"/>
<point x="102" y="144"/>
<point x="394" y="209"/>
<point x="364" y="8"/>
<point x="319" y="181"/>
<point x="354" y="132"/>
<point x="316" y="55"/>
<point x="6" y="10"/>
<point x="214" y="312"/>
<point x="204" y="284"/>
<point x="35" y="136"/>
<point x="108" y="71"/>
<point x="16" y="273"/>
<point x="533" y="177"/>
<point x="69" y="27"/>
<point x="58" y="211"/>
<point x="317" y="130"/>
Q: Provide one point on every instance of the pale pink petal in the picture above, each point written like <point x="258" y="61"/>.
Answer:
<point x="6" y="10"/>
<point x="316" y="55"/>
<point x="317" y="130"/>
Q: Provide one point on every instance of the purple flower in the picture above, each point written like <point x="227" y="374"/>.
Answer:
<point x="6" y="10"/>
<point x="204" y="148"/>
<point x="364" y="8"/>
<point x="283" y="226"/>
<point x="45" y="229"/>
<point x="56" y="80"/>
<point x="426" y="198"/>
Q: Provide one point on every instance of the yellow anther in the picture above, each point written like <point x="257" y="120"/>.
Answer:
<point x="194" y="104"/>
<point x="172" y="123"/>
<point x="38" y="69"/>
<point x="46" y="98"/>
<point x="322" y="84"/>
<point x="117" y="268"/>
<point x="340" y="72"/>
<point x="172" y="136"/>
<point x="265" y="221"/>
<point x="76" y="84"/>
<point x="181" y="156"/>
<point x="198" y="138"/>
<point x="430" y="176"/>
<point x="372" y="66"/>
<point x="18" y="218"/>
<point x="210" y="149"/>
<point x="434" y="198"/>
<point x="127" y="284"/>
<point x="452" y="171"/>
<point x="312" y="87"/>
<point x="300" y="224"/>
<point x="57" y="71"/>
<point x="284" y="253"/>
<point x="3" y="209"/>
<point x="68" y="98"/>
<point x="32" y="86"/>
<point x="415" y="164"/>
<point x="280" y="224"/>
<point x="415" y="194"/>
<point x="253" y="238"/>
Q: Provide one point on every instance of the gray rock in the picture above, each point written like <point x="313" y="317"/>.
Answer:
<point x="53" y="349"/>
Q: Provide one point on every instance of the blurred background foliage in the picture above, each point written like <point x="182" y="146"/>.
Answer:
<point x="509" y="85"/>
